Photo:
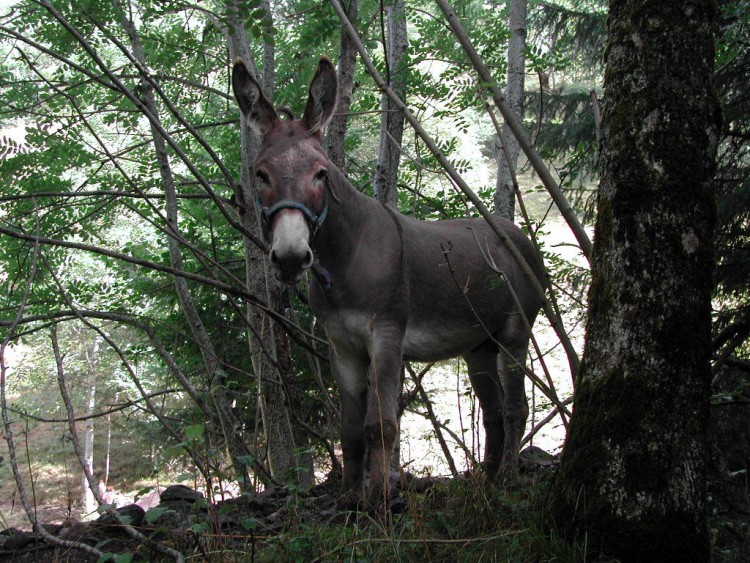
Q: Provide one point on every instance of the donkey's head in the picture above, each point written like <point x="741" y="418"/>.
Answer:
<point x="291" y="168"/>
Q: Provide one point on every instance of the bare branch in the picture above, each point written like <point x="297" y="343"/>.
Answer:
<point x="516" y="126"/>
<point x="430" y="415"/>
<point x="9" y="436"/>
<point x="114" y="408"/>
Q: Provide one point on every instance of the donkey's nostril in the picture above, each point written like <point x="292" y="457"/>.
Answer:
<point x="308" y="260"/>
<point x="290" y="266"/>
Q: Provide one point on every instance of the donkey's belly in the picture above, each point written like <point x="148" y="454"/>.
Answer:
<point x="433" y="343"/>
<point x="424" y="341"/>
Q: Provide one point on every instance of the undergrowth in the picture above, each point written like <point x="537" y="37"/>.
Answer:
<point x="461" y="520"/>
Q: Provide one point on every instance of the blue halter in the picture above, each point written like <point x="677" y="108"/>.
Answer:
<point x="315" y="221"/>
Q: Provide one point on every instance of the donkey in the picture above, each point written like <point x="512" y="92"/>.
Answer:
<point x="387" y="287"/>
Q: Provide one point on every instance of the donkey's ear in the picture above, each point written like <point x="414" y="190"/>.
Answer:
<point x="321" y="101"/>
<point x="253" y="103"/>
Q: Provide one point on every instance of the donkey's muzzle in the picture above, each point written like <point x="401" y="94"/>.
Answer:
<point x="290" y="253"/>
<point x="290" y="269"/>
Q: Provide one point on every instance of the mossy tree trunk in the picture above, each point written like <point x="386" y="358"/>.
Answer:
<point x="632" y="475"/>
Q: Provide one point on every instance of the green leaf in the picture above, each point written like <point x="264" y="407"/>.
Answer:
<point x="153" y="514"/>
<point x="246" y="459"/>
<point x="200" y="527"/>
<point x="195" y="433"/>
<point x="249" y="523"/>
<point x="116" y="557"/>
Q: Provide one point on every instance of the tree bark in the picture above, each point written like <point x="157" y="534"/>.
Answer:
<point x="504" y="196"/>
<point x="285" y="441"/>
<point x="345" y="73"/>
<point x="391" y="118"/>
<point x="89" y="502"/>
<point x="632" y="476"/>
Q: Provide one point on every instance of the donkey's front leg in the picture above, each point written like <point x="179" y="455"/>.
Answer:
<point x="381" y="421"/>
<point x="350" y="372"/>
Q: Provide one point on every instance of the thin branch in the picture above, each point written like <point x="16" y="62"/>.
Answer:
<point x="118" y="84"/>
<point x="114" y="408"/>
<point x="549" y="391"/>
<point x="109" y="509"/>
<point x="459" y="441"/>
<point x="450" y="170"/>
<point x="289" y="327"/>
<point x="516" y="126"/>
<point x="546" y="420"/>
<point x="138" y="60"/>
<point x="556" y="319"/>
<point x="96" y="193"/>
<point x="406" y="399"/>
<point x="131" y="372"/>
<point x="430" y="415"/>
<point x="9" y="436"/>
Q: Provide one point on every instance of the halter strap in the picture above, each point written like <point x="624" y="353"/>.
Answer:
<point x="315" y="220"/>
<point x="323" y="275"/>
<point x="267" y="213"/>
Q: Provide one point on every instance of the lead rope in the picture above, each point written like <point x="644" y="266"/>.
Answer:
<point x="323" y="275"/>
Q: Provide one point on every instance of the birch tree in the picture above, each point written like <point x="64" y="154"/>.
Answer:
<point x="88" y="500"/>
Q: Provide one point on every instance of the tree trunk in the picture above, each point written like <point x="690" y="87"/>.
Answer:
<point x="632" y="476"/>
<point x="223" y="422"/>
<point x="285" y="440"/>
<point x="504" y="197"/>
<point x="89" y="502"/>
<point x="345" y="73"/>
<point x="391" y="118"/>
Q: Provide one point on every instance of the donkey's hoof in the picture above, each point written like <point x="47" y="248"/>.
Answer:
<point x="351" y="500"/>
<point x="378" y="498"/>
<point x="399" y="505"/>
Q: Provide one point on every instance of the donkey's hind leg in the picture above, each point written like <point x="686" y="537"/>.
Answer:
<point x="482" y="365"/>
<point x="515" y="343"/>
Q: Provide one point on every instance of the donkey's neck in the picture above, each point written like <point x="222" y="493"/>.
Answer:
<point x="349" y="212"/>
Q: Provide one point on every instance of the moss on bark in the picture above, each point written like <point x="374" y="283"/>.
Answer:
<point x="632" y="477"/>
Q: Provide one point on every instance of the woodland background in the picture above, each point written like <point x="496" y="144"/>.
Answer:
<point x="137" y="306"/>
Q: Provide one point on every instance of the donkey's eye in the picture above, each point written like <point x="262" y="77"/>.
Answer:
<point x="262" y="177"/>
<point x="320" y="175"/>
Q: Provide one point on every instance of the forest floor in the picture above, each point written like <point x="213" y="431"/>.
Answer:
<point x="431" y="519"/>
